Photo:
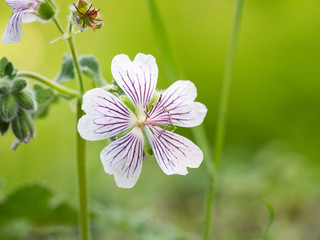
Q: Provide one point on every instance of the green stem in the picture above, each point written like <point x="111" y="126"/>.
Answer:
<point x="80" y="142"/>
<point x="75" y="60"/>
<point x="220" y="129"/>
<point x="63" y="90"/>
<point x="82" y="179"/>
<point x="161" y="36"/>
<point x="81" y="148"/>
<point x="56" y="22"/>
<point x="173" y="74"/>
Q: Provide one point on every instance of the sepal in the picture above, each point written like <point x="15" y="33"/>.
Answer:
<point x="128" y="103"/>
<point x="46" y="10"/>
<point x="85" y="16"/>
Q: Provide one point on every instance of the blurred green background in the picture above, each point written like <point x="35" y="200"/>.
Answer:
<point x="272" y="136"/>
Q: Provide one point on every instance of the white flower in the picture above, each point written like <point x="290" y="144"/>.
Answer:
<point x="23" y="11"/>
<point x="106" y="116"/>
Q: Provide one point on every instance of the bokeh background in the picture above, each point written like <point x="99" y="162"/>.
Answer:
<point x="272" y="136"/>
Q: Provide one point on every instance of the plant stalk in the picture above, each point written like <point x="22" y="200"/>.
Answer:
<point x="173" y="73"/>
<point x="61" y="89"/>
<point x="80" y="143"/>
<point x="81" y="148"/>
<point x="221" y="122"/>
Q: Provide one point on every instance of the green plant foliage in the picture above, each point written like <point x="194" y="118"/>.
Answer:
<point x="32" y="205"/>
<point x="67" y="72"/>
<point x="90" y="66"/>
<point x="45" y="97"/>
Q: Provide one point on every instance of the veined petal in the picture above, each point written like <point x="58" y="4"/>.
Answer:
<point x="20" y="5"/>
<point x="123" y="158"/>
<point x="29" y="17"/>
<point x="173" y="152"/>
<point x="106" y="115"/>
<point x="177" y="106"/>
<point x="137" y="79"/>
<point x="13" y="31"/>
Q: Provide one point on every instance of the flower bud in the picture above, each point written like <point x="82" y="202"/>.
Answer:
<point x="19" y="128"/>
<point x="4" y="126"/>
<point x="19" y="84"/>
<point x="46" y="10"/>
<point x="26" y="100"/>
<point x="5" y="86"/>
<point x="8" y="107"/>
<point x="30" y="125"/>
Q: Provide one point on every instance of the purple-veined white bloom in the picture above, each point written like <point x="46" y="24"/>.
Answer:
<point x="146" y="123"/>
<point x="23" y="11"/>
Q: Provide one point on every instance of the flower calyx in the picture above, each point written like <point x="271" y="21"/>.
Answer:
<point x="85" y="16"/>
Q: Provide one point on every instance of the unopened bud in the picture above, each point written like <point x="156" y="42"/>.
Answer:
<point x="29" y="123"/>
<point x="26" y="100"/>
<point x="46" y="10"/>
<point x="5" y="86"/>
<point x="8" y="107"/>
<point x="4" y="126"/>
<point x="19" y="128"/>
<point x="19" y="84"/>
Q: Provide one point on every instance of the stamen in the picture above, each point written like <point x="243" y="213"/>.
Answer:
<point x="170" y="121"/>
<point x="88" y="9"/>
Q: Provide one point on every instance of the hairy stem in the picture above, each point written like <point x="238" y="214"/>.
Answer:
<point x="61" y="89"/>
<point x="223" y="106"/>
<point x="80" y="143"/>
<point x="82" y="180"/>
<point x="75" y="60"/>
<point x="58" y="25"/>
<point x="81" y="148"/>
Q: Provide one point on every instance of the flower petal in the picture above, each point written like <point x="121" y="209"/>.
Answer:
<point x="106" y="115"/>
<point x="173" y="152"/>
<point x="123" y="158"/>
<point x="13" y="31"/>
<point x="137" y="79"/>
<point x="20" y="5"/>
<point x="177" y="106"/>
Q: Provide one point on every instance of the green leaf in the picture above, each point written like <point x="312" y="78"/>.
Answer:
<point x="90" y="66"/>
<point x="67" y="70"/>
<point x="271" y="218"/>
<point x="44" y="97"/>
<point x="33" y="202"/>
